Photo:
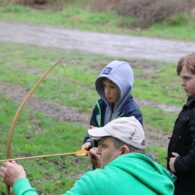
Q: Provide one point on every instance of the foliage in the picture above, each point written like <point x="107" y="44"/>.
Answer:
<point x="77" y="15"/>
<point x="148" y="12"/>
<point x="178" y="19"/>
<point x="105" y="5"/>
<point x="29" y="2"/>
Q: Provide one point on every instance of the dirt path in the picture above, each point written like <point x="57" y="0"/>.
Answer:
<point x="98" y="43"/>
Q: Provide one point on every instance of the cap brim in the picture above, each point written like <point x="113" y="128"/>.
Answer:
<point x="98" y="132"/>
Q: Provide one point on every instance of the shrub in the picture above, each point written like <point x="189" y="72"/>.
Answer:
<point x="148" y="12"/>
<point x="29" y="2"/>
<point x="105" y="5"/>
<point x="179" y="19"/>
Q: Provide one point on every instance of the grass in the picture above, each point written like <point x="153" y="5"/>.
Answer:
<point x="72" y="85"/>
<point x="37" y="134"/>
<point x="158" y="153"/>
<point x="158" y="120"/>
<point x="167" y="92"/>
<point x="80" y="70"/>
<point x="79" y="16"/>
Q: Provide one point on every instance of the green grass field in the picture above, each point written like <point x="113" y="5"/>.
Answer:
<point x="72" y="85"/>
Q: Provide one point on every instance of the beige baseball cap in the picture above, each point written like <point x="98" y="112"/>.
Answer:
<point x="127" y="129"/>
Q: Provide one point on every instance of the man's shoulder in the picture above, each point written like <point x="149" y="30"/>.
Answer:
<point x="95" y="178"/>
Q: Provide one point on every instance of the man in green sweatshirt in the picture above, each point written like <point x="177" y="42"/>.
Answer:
<point x="124" y="169"/>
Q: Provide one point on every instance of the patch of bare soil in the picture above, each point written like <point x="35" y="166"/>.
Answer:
<point x="156" y="138"/>
<point x="163" y="107"/>
<point x="59" y="112"/>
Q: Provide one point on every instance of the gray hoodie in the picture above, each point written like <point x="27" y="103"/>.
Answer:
<point x="121" y="74"/>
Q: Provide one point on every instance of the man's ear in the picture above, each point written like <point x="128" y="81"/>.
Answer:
<point x="124" y="149"/>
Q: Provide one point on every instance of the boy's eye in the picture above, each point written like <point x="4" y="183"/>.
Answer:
<point x="186" y="78"/>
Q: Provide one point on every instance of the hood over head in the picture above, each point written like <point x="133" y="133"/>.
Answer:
<point x="120" y="73"/>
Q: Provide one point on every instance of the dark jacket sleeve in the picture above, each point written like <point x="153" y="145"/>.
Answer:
<point x="132" y="109"/>
<point x="93" y="122"/>
<point x="97" y="117"/>
<point x="186" y="163"/>
<point x="95" y="112"/>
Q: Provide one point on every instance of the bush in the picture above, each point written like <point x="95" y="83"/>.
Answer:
<point x="105" y="5"/>
<point x="148" y="12"/>
<point x="179" y="19"/>
<point x="29" y="2"/>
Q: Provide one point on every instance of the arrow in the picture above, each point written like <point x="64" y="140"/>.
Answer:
<point x="77" y="153"/>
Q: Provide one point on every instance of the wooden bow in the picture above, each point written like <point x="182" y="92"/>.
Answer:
<point x="11" y="131"/>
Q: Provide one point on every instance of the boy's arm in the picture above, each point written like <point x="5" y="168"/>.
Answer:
<point x="93" y="122"/>
<point x="130" y="108"/>
<point x="96" y="116"/>
<point x="186" y="164"/>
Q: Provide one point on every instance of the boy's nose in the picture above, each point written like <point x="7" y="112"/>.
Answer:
<point x="183" y="83"/>
<point x="106" y="91"/>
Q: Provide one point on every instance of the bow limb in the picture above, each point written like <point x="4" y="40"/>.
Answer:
<point x="11" y="131"/>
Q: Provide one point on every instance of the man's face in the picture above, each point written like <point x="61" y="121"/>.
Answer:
<point x="111" y="91"/>
<point x="188" y="82"/>
<point x="107" y="151"/>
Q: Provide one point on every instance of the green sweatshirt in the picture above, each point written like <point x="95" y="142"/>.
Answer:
<point x="132" y="173"/>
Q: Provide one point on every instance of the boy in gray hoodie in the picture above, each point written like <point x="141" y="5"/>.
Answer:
<point x="114" y="85"/>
